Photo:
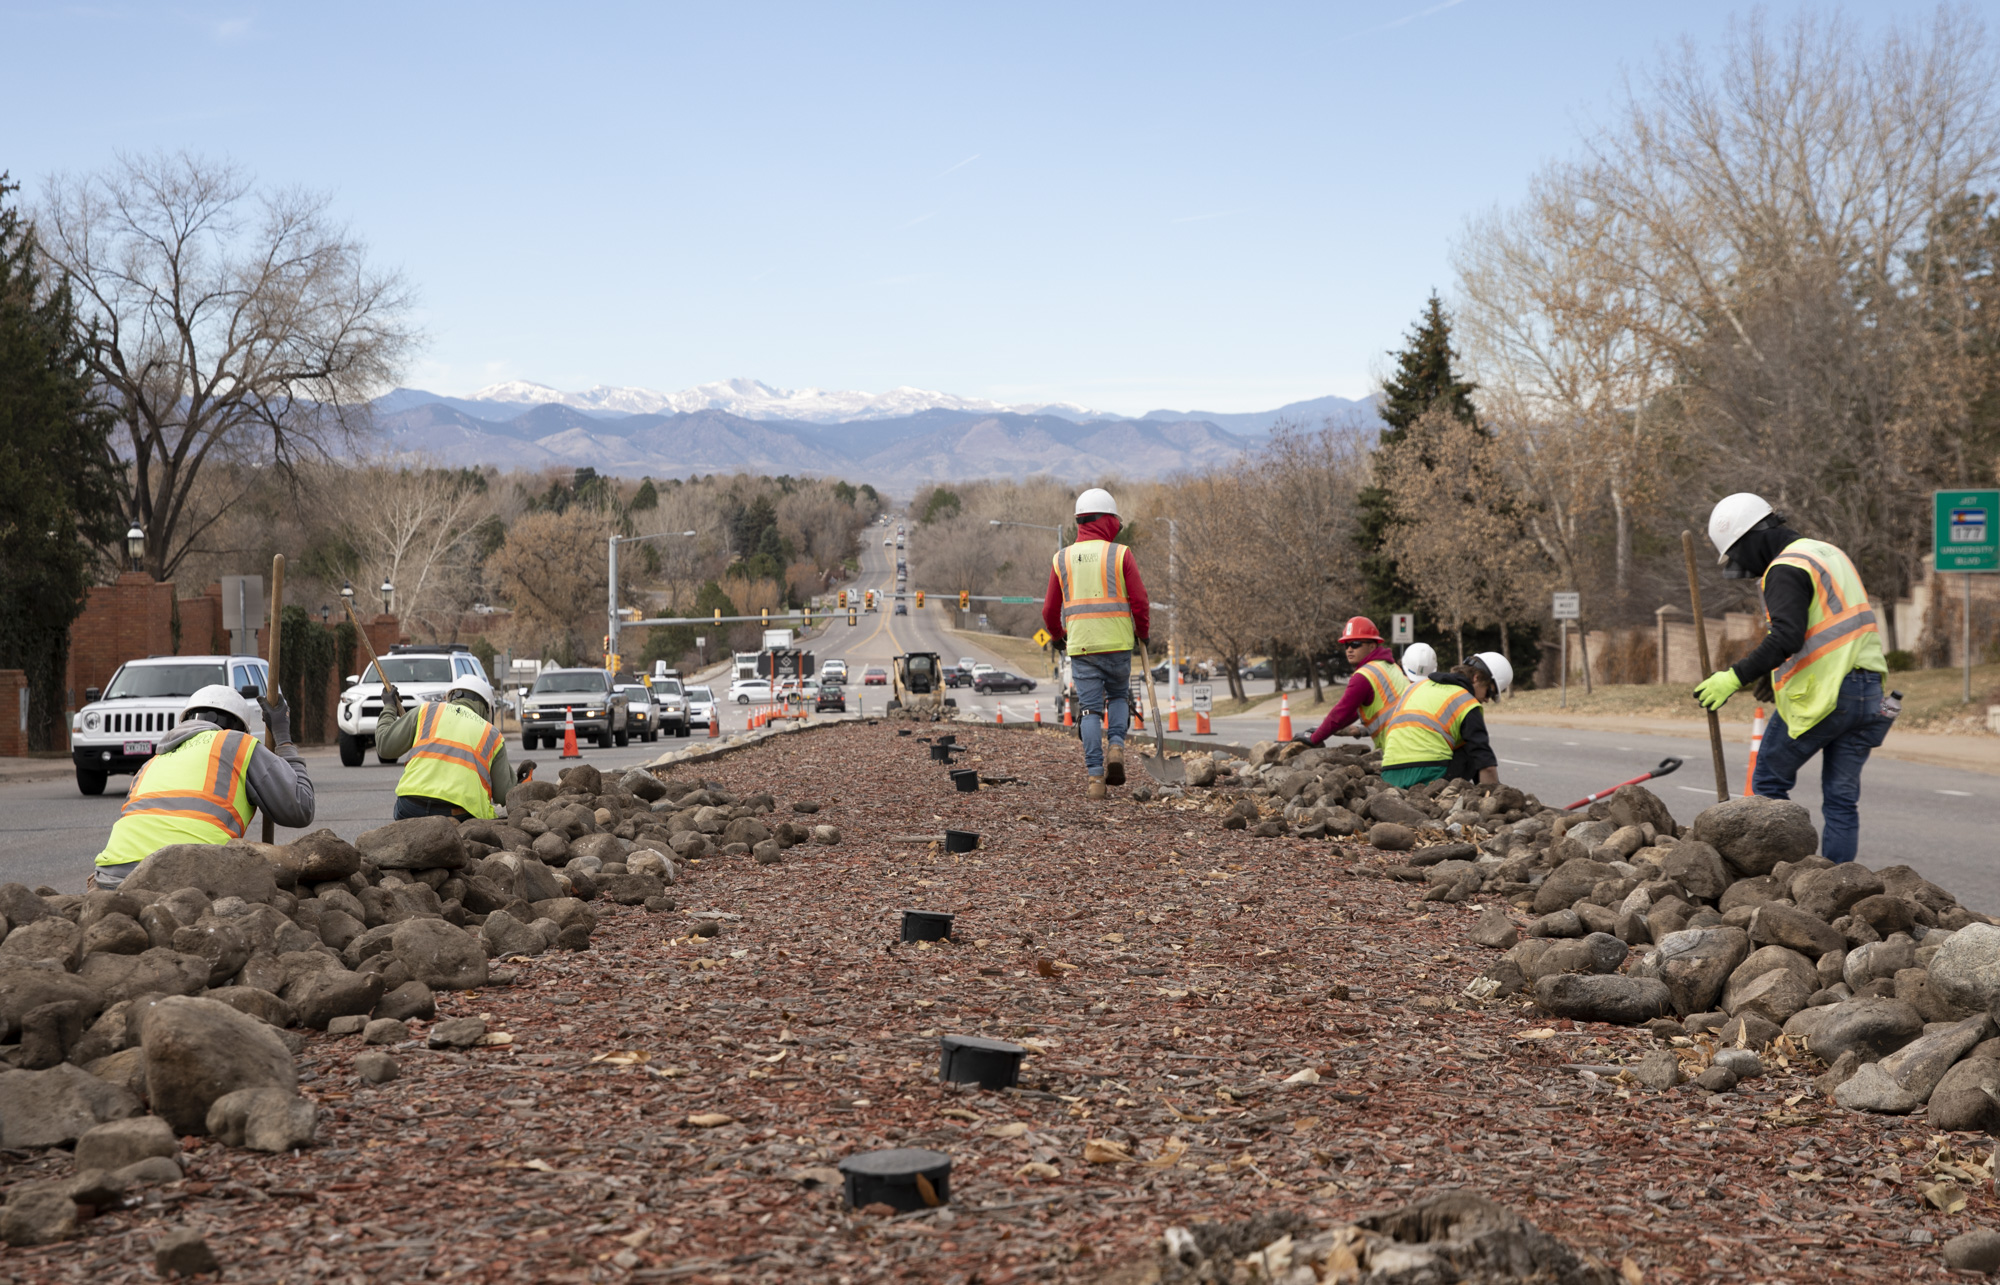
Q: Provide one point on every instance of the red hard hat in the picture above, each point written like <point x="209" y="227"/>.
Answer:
<point x="1361" y="628"/>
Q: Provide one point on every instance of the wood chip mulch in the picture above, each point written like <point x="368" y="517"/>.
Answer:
<point x="1194" y="971"/>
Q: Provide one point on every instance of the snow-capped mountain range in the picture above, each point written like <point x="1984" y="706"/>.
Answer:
<point x="754" y="399"/>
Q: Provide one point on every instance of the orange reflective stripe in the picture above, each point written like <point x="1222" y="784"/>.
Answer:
<point x="228" y="757"/>
<point x="1830" y="634"/>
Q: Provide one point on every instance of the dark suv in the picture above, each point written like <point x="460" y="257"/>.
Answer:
<point x="999" y="680"/>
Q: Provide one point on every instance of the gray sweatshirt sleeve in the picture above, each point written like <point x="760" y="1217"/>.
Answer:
<point x="279" y="785"/>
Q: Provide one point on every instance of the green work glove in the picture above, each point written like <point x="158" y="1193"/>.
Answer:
<point x="1717" y="688"/>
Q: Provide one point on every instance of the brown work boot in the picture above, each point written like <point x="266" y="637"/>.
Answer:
<point x="1114" y="765"/>
<point x="1095" y="790"/>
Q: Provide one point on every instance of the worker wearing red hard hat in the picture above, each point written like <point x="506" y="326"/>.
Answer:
<point x="1363" y="709"/>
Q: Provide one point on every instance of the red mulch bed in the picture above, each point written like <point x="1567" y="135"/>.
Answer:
<point x="1195" y="969"/>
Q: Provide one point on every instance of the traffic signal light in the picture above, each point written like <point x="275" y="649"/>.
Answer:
<point x="606" y="648"/>
<point x="767" y="617"/>
<point x="965" y="600"/>
<point x="868" y="600"/>
<point x="843" y="600"/>
<point x="852" y="619"/>
<point x="920" y="600"/>
<point x="718" y="615"/>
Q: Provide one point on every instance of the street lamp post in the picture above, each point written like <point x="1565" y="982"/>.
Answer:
<point x="135" y="547"/>
<point x="611" y="559"/>
<point x="388" y="594"/>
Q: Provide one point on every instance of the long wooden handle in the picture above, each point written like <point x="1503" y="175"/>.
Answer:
<point x="276" y="626"/>
<point x="1701" y="645"/>
<point x="1153" y="698"/>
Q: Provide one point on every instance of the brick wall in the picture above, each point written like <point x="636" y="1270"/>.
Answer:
<point x="129" y="618"/>
<point x="13" y="713"/>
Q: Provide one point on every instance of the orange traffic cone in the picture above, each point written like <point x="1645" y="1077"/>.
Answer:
<point x="999" y="713"/>
<point x="569" y="735"/>
<point x="1138" y="716"/>
<point x="1284" y="718"/>
<point x="1756" y="741"/>
<point x="1068" y="719"/>
<point x="1173" y="718"/>
<point x="1201" y="725"/>
<point x="1038" y="711"/>
<point x="715" y="722"/>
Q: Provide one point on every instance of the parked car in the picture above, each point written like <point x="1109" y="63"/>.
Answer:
<point x="421" y="672"/>
<point x="957" y="676"/>
<point x="831" y="699"/>
<point x="115" y="731"/>
<point x="586" y="695"/>
<point x="999" y="680"/>
<point x="701" y="706"/>
<point x="745" y="690"/>
<point x="874" y="676"/>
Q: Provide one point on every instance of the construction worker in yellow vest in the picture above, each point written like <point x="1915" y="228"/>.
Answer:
<point x="1821" y="658"/>
<point x="1096" y="609"/>
<point x="1377" y="680"/>
<point x="1437" y="727"/>
<point x="458" y="759"/>
<point x="205" y="781"/>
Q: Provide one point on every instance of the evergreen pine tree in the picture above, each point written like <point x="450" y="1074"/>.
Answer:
<point x="58" y="492"/>
<point x="1426" y="375"/>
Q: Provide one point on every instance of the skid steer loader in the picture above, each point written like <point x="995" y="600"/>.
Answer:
<point x="920" y="691"/>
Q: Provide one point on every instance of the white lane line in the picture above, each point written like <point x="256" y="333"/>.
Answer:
<point x="1572" y="742"/>
<point x="1956" y="794"/>
<point x="1518" y="763"/>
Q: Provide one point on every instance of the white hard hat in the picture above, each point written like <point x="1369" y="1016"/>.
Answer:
<point x="1420" y="659"/>
<point x="1731" y="519"/>
<point x="223" y="700"/>
<point x="1096" y="500"/>
<point x="1501" y="669"/>
<point x="480" y="692"/>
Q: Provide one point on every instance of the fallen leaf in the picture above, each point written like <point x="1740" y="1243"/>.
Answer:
<point x="636" y="1239"/>
<point x="1045" y="967"/>
<point x="1630" y="1271"/>
<point x="1948" y="1197"/>
<point x="1014" y="1130"/>
<point x="1539" y="1033"/>
<point x="629" y="1057"/>
<point x="1305" y="1122"/>
<point x="779" y="1056"/>
<point x="1307" y="1076"/>
<point x="710" y="1120"/>
<point x="494" y="1038"/>
<point x="1105" y="1151"/>
<point x="539" y="1166"/>
<point x="959" y="1113"/>
<point x="1035" y="1169"/>
<point x="927" y="1192"/>
<point x="1170" y="1153"/>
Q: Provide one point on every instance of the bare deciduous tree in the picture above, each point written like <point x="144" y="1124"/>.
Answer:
<point x="230" y="325"/>
<point x="552" y="573"/>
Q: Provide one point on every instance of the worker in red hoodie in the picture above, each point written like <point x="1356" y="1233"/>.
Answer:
<point x="1096" y="609"/>
<point x="1374" y="686"/>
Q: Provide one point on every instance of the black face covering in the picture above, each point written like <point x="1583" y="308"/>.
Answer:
<point x="1750" y="556"/>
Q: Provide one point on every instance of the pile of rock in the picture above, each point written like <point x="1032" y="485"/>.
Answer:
<point x="1287" y="788"/>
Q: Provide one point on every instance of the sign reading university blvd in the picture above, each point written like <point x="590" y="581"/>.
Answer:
<point x="1968" y="530"/>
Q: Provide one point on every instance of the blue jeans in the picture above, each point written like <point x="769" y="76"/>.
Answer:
<point x="1843" y="739"/>
<point x="416" y="805"/>
<point x="1103" y="687"/>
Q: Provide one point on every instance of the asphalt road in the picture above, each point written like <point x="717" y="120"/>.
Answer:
<point x="1941" y="821"/>
<point x="49" y="833"/>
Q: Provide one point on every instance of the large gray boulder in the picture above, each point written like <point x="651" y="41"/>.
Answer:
<point x="1966" y="969"/>
<point x="439" y="955"/>
<point x="24" y="989"/>
<point x="53" y="938"/>
<point x="319" y="997"/>
<point x="263" y="1119"/>
<point x="1872" y="1028"/>
<point x="1570" y="883"/>
<point x="1776" y="924"/>
<point x="420" y="843"/>
<point x="119" y="1143"/>
<point x="54" y="1107"/>
<point x="1695" y="965"/>
<point x="155" y="971"/>
<point x="324" y="857"/>
<point x="1877" y="959"/>
<point x="1831" y="892"/>
<point x="1614" y="997"/>
<point x="1697" y="868"/>
<point x="197" y="1050"/>
<point x="1754" y="834"/>
<point x="1903" y="1081"/>
<point x="220" y="870"/>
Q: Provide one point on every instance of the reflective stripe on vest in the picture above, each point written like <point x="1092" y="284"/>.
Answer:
<point x="197" y="792"/>
<point x="1096" y="614"/>
<point x="1387" y="681"/>
<point x="1842" y="635"/>
<point x="1423" y="725"/>
<point x="452" y="759"/>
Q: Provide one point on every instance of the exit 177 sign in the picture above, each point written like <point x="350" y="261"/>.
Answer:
<point x="1968" y="530"/>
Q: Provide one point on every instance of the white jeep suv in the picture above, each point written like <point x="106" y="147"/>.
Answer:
<point x="115" y="731"/>
<point x="421" y="673"/>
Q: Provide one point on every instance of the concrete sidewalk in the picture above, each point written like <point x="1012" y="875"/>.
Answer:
<point x="1969" y="752"/>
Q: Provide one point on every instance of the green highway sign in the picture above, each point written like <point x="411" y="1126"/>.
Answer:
<point x="1967" y="530"/>
<point x="1027" y="601"/>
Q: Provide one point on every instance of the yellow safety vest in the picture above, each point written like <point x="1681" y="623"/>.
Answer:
<point x="1423" y="725"/>
<point x="1841" y="635"/>
<point x="1388" y="681"/>
<point x="452" y="760"/>
<point x="1096" y="614"/>
<point x="196" y="792"/>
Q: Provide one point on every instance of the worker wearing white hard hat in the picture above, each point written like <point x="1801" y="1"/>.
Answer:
<point x="206" y="779"/>
<point x="1096" y="610"/>
<point x="1437" y="729"/>
<point x="1821" y="662"/>
<point x="1420" y="660"/>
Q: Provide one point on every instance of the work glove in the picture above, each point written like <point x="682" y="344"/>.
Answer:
<point x="277" y="719"/>
<point x="392" y="700"/>
<point x="524" y="772"/>
<point x="1717" y="688"/>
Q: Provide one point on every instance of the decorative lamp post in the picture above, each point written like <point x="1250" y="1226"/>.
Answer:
<point x="388" y="594"/>
<point x="135" y="546"/>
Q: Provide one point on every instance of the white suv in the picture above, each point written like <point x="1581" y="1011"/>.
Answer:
<point x="420" y="673"/>
<point x="115" y="731"/>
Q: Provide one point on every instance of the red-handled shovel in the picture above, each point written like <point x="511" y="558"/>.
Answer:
<point x="1666" y="766"/>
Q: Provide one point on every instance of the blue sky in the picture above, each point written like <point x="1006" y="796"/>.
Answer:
<point x="1131" y="206"/>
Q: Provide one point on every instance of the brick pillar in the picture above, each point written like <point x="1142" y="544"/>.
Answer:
<point x="384" y="632"/>
<point x="13" y="713"/>
<point x="128" y="619"/>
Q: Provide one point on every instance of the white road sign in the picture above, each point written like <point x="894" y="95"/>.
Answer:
<point x="1402" y="627"/>
<point x="1569" y="606"/>
<point x="1204" y="698"/>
